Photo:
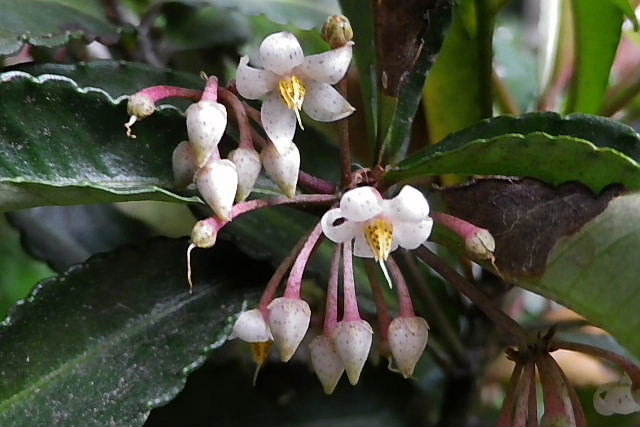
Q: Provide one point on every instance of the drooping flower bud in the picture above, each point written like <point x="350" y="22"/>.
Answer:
<point x="140" y="105"/>
<point x="337" y="31"/>
<point x="352" y="341"/>
<point x="206" y="122"/>
<point x="204" y="234"/>
<point x="282" y="168"/>
<point x="289" y="320"/>
<point x="251" y="327"/>
<point x="248" y="166"/>
<point x="217" y="182"/>
<point x="407" y="338"/>
<point x="184" y="164"/>
<point x="326" y="362"/>
<point x="480" y="244"/>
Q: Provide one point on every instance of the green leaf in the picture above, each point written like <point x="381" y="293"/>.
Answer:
<point x="595" y="51"/>
<point x="115" y="337"/>
<point x="63" y="145"/>
<point x="595" y="271"/>
<point x="412" y="81"/>
<point x="627" y="9"/>
<point x="453" y="94"/>
<point x="63" y="236"/>
<point x="593" y="150"/>
<point x="304" y="14"/>
<point x="52" y="23"/>
<point x="361" y="15"/>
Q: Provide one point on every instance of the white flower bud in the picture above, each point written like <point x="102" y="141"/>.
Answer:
<point x="289" y="320"/>
<point x="203" y="234"/>
<point x="251" y="327"/>
<point x="326" y="362"/>
<point x="614" y="398"/>
<point x="481" y="244"/>
<point x="206" y="122"/>
<point x="184" y="164"/>
<point x="217" y="182"/>
<point x="282" y="168"/>
<point x="352" y="341"/>
<point x="140" y="106"/>
<point x="248" y="165"/>
<point x="407" y="339"/>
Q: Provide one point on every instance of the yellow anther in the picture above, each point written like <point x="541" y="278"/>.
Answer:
<point x="379" y="235"/>
<point x="260" y="351"/>
<point x="292" y="91"/>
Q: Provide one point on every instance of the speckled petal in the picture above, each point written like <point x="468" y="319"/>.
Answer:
<point x="361" y="248"/>
<point x="288" y="320"/>
<point x="281" y="52"/>
<point x="279" y="122"/>
<point x="409" y="205"/>
<point x="361" y="204"/>
<point x="407" y="340"/>
<point x="614" y="398"/>
<point x="251" y="327"/>
<point x="410" y="235"/>
<point x="326" y="362"/>
<point x="253" y="83"/>
<point x="184" y="164"/>
<point x="324" y="104"/>
<point x="341" y="231"/>
<point x="352" y="342"/>
<point x="328" y="67"/>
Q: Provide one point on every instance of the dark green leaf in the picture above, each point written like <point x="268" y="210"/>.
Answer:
<point x="541" y="145"/>
<point x="304" y="14"/>
<point x="63" y="236"/>
<point x="410" y="81"/>
<point x="63" y="145"/>
<point x="595" y="51"/>
<point x="51" y="23"/>
<point x="626" y="8"/>
<point x="453" y="94"/>
<point x="115" y="337"/>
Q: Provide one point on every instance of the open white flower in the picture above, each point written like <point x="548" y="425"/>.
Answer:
<point x="290" y="82"/>
<point x="379" y="226"/>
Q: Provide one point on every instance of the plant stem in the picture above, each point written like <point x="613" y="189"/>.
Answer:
<point x="404" y="298"/>
<point x="506" y="414"/>
<point x="210" y="90"/>
<point x="621" y="98"/>
<point x="485" y="22"/>
<point x="384" y="318"/>
<point x="504" y="322"/>
<point x="503" y="95"/>
<point x="625" y="364"/>
<point x="158" y="93"/>
<point x="244" y="128"/>
<point x="343" y="138"/>
<point x="557" y="403"/>
<point x="331" y="307"/>
<point x="350" y="312"/>
<point x="532" y="398"/>
<point x="295" y="277"/>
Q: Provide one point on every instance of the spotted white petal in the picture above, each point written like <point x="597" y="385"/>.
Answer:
<point x="614" y="398"/>
<point x="184" y="164"/>
<point x="247" y="161"/>
<point x="289" y="320"/>
<point x="337" y="228"/>
<point x="217" y="182"/>
<point x="281" y="52"/>
<point x="407" y="339"/>
<point x="409" y="205"/>
<point x="410" y="235"/>
<point x="279" y="122"/>
<point x="361" y="248"/>
<point x="253" y="83"/>
<point x="251" y="327"/>
<point x="328" y="67"/>
<point x="326" y="362"/>
<point x="352" y="341"/>
<point x="361" y="204"/>
<point x="206" y="122"/>
<point x="325" y="104"/>
<point x="282" y="167"/>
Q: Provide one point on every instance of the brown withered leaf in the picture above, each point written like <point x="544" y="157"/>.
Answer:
<point x="400" y="30"/>
<point x="526" y="217"/>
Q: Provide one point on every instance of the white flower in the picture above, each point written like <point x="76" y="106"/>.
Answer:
<point x="379" y="226"/>
<point x="290" y="82"/>
<point x="251" y="327"/>
<point x="615" y="398"/>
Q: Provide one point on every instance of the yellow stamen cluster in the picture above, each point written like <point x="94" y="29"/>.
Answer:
<point x="379" y="235"/>
<point x="292" y="90"/>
